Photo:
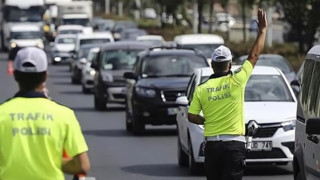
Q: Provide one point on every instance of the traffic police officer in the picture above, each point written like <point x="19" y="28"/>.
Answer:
<point x="221" y="99"/>
<point x="34" y="131"/>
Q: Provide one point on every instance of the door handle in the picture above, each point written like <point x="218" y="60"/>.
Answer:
<point x="313" y="139"/>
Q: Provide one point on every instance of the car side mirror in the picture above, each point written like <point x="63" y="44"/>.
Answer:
<point x="129" y="75"/>
<point x="83" y="60"/>
<point x="313" y="126"/>
<point x="182" y="101"/>
<point x="295" y="83"/>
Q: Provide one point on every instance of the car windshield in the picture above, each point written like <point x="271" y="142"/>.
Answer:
<point x="83" y="53"/>
<point x="93" y="41"/>
<point x="275" y="62"/>
<point x="26" y="35"/>
<point x="92" y="55"/>
<point x="70" y="31"/>
<point x="78" y="21"/>
<point x="66" y="40"/>
<point x="14" y="14"/>
<point x="265" y="88"/>
<point x="119" y="59"/>
<point x="206" y="49"/>
<point x="171" y="65"/>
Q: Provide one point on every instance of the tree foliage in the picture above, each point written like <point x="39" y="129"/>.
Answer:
<point x="303" y="18"/>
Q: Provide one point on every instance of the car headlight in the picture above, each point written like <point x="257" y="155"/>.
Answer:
<point x="288" y="125"/>
<point x="145" y="92"/>
<point x="91" y="72"/>
<point x="13" y="45"/>
<point x="40" y="45"/>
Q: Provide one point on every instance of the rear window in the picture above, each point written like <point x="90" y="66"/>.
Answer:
<point x="171" y="65"/>
<point x="93" y="41"/>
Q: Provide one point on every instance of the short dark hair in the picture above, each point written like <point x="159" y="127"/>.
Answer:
<point x="220" y="66"/>
<point x="29" y="81"/>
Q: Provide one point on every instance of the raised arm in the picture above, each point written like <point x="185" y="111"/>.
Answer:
<point x="259" y="43"/>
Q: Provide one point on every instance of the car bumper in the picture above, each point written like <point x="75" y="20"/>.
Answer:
<point x="116" y="94"/>
<point x="61" y="57"/>
<point x="282" y="147"/>
<point x="87" y="81"/>
<point x="156" y="113"/>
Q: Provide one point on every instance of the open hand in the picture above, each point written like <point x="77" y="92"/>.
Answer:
<point x="262" y="20"/>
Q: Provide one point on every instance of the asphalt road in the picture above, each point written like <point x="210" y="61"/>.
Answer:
<point x="116" y="154"/>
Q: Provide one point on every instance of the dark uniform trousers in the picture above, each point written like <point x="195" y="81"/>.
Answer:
<point x="225" y="160"/>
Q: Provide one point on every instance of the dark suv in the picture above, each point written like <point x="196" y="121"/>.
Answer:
<point x="158" y="78"/>
<point x="112" y="61"/>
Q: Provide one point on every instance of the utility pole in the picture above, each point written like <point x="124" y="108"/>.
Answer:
<point x="107" y="6"/>
<point x="211" y="5"/>
<point x="269" y="30"/>
<point x="120" y="8"/>
<point x="195" y="16"/>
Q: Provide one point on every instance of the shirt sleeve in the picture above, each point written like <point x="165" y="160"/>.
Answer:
<point x="195" y="106"/>
<point x="243" y="74"/>
<point x="74" y="143"/>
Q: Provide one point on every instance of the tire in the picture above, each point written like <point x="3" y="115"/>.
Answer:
<point x="194" y="167"/>
<point x="128" y="117"/>
<point x="138" y="127"/>
<point x="183" y="158"/>
<point x="85" y="90"/>
<point x="99" y="104"/>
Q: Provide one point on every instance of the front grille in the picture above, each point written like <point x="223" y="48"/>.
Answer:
<point x="265" y="132"/>
<point x="171" y="95"/>
<point x="274" y="153"/>
<point x="119" y="96"/>
<point x="119" y="79"/>
<point x="89" y="82"/>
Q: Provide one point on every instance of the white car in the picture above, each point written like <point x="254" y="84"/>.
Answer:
<point x="154" y="40"/>
<point x="269" y="101"/>
<point x="88" y="72"/>
<point x="62" y="48"/>
<point x="26" y="35"/>
<point x="93" y="38"/>
<point x="205" y="43"/>
<point x="70" y="29"/>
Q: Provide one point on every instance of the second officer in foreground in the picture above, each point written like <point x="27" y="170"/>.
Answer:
<point x="221" y="99"/>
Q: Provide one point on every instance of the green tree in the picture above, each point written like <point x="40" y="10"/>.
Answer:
<point x="303" y="18"/>
<point x="170" y="7"/>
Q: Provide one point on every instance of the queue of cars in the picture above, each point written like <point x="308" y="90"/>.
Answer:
<point x="155" y="83"/>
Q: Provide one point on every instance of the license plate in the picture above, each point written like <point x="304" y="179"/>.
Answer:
<point x="261" y="146"/>
<point x="172" y="111"/>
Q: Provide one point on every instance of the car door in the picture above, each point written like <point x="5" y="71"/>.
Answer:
<point x="130" y="84"/>
<point x="184" y="111"/>
<point x="302" y="137"/>
<point x="313" y="166"/>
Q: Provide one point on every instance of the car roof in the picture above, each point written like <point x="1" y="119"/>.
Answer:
<point x="97" y="35"/>
<point x="314" y="53"/>
<point x="150" y="37"/>
<point x="125" y="45"/>
<point x="156" y="52"/>
<point x="199" y="39"/>
<point x="258" y="70"/>
<point x="263" y="56"/>
<point x="94" y="49"/>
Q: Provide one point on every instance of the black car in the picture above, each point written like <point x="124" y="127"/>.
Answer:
<point x="158" y="78"/>
<point x="112" y="61"/>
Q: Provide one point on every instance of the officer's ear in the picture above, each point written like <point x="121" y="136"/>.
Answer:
<point x="230" y="65"/>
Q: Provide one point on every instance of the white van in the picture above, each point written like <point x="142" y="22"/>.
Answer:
<point x="26" y="35"/>
<point x="206" y="43"/>
<point x="93" y="38"/>
<point x="306" y="161"/>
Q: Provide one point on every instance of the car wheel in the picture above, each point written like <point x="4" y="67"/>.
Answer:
<point x="128" y="123"/>
<point x="183" y="158"/>
<point x="138" y="127"/>
<point x="194" y="167"/>
<point x="99" y="104"/>
<point x="85" y="90"/>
